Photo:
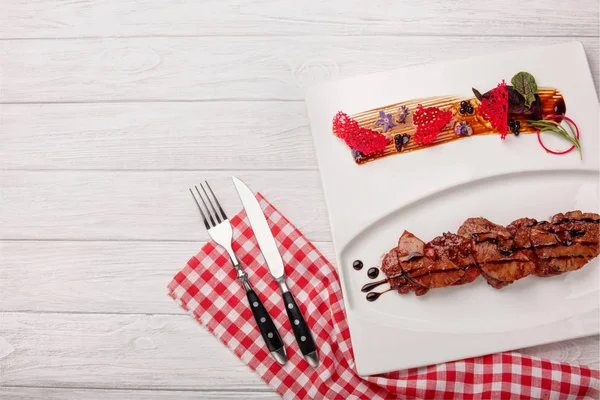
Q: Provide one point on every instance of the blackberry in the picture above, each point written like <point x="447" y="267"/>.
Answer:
<point x="514" y="126"/>
<point x="401" y="140"/>
<point x="466" y="107"/>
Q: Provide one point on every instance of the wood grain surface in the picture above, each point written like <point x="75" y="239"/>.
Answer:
<point x="110" y="109"/>
<point x="226" y="69"/>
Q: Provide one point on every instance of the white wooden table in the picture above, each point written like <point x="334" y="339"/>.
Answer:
<point x="110" y="109"/>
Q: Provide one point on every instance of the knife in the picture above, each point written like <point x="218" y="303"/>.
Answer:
<point x="267" y="245"/>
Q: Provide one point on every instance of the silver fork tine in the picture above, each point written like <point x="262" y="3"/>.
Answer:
<point x="200" y="208"/>
<point x="216" y="201"/>
<point x="210" y="202"/>
<point x="212" y="221"/>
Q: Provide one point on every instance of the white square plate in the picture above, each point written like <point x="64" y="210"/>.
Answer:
<point x="434" y="190"/>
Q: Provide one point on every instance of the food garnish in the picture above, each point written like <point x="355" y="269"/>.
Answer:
<point x="550" y="125"/>
<point x="385" y="121"/>
<point x="402" y="114"/>
<point x="525" y="84"/>
<point x="429" y="121"/>
<point x="516" y="103"/>
<point x="362" y="140"/>
<point x="433" y="121"/>
<point x="495" y="109"/>
<point x="466" y="107"/>
<point x="514" y="126"/>
<point x="401" y="140"/>
<point x="463" y="129"/>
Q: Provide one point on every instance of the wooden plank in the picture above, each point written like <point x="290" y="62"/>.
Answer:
<point x="145" y="352"/>
<point x="96" y="277"/>
<point x="27" y="393"/>
<point x="124" y="205"/>
<point x="231" y="68"/>
<point x="23" y="18"/>
<point x="166" y="136"/>
<point x="584" y="351"/>
<point x="118" y="351"/>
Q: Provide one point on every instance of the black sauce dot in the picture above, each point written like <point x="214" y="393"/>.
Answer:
<point x="373" y="273"/>
<point x="560" y="108"/>
<point x="373" y="296"/>
<point x="357" y="265"/>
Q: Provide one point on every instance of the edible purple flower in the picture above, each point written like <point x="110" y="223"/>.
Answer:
<point x="463" y="128"/>
<point x="385" y="120"/>
<point x="358" y="156"/>
<point x="403" y="114"/>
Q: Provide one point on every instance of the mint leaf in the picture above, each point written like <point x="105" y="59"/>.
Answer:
<point x="524" y="83"/>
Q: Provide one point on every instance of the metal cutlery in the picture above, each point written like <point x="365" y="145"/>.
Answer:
<point x="219" y="229"/>
<point x="267" y="245"/>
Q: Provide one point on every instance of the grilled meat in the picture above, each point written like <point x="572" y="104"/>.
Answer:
<point x="500" y="254"/>
<point x="500" y="262"/>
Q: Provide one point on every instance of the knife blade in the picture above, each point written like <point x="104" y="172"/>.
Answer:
<point x="268" y="247"/>
<point x="261" y="229"/>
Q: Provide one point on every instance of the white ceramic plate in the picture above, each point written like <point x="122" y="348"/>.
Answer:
<point x="431" y="191"/>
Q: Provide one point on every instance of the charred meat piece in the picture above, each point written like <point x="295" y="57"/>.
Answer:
<point x="410" y="246"/>
<point x="494" y="252"/>
<point x="501" y="254"/>
<point x="520" y="230"/>
<point x="434" y="268"/>
<point x="566" y="243"/>
<point x="458" y="250"/>
<point x="481" y="230"/>
<point x="416" y="266"/>
<point x="390" y="266"/>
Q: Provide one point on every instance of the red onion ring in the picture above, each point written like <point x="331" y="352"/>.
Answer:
<point x="559" y="117"/>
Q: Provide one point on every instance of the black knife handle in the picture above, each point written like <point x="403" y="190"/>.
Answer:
<point x="301" y="330"/>
<point x="266" y="326"/>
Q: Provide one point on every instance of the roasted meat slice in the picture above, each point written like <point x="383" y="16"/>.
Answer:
<point x="416" y="266"/>
<point x="481" y="230"/>
<point x="458" y="250"/>
<point x="501" y="254"/>
<point x="410" y="246"/>
<point x="391" y="268"/>
<point x="520" y="230"/>
<point x="494" y="251"/>
<point x="566" y="243"/>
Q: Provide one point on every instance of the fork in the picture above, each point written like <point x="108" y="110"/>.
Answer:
<point x="220" y="231"/>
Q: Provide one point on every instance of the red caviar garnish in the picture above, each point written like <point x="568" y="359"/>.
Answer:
<point x="365" y="140"/>
<point x="495" y="109"/>
<point x="429" y="121"/>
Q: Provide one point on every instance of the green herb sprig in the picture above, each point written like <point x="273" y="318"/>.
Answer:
<point x="555" y="127"/>
<point x="525" y="84"/>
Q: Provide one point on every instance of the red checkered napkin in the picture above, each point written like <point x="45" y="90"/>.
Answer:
<point x="207" y="288"/>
